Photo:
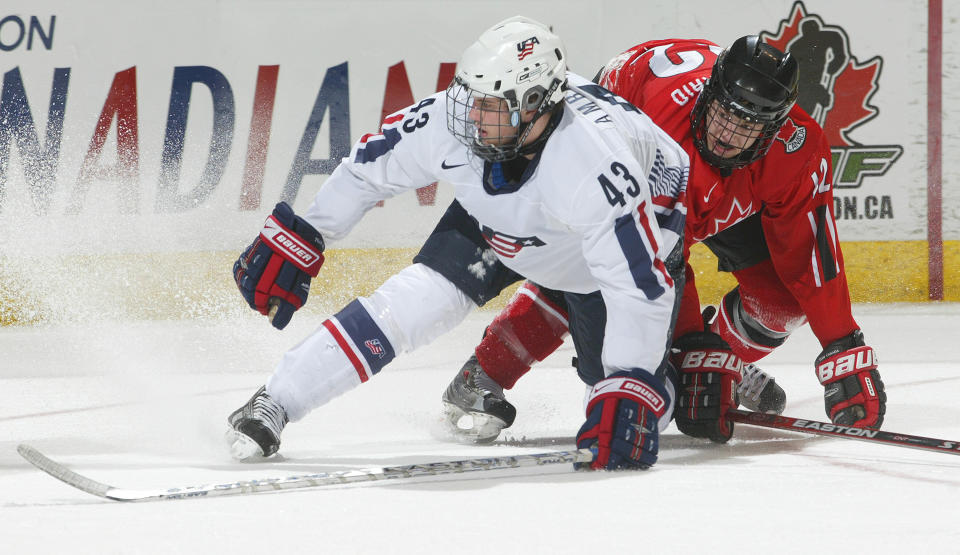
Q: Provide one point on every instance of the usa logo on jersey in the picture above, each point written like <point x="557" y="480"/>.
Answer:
<point x="508" y="246"/>
<point x="525" y="48"/>
<point x="375" y="347"/>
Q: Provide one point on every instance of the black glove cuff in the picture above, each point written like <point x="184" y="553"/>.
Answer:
<point x="699" y="340"/>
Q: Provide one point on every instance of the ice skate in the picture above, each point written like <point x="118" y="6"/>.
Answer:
<point x="759" y="392"/>
<point x="255" y="427"/>
<point x="475" y="409"/>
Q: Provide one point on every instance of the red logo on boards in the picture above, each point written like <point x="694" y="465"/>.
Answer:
<point x="836" y="89"/>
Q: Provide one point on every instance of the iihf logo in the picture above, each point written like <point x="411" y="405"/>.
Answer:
<point x="525" y="48"/>
<point x="375" y="347"/>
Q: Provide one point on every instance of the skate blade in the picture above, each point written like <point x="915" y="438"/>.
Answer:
<point x="242" y="448"/>
<point x="471" y="426"/>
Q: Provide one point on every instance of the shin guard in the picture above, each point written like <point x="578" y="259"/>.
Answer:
<point x="528" y="329"/>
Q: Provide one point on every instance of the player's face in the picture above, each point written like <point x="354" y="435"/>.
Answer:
<point x="492" y="120"/>
<point x="728" y="134"/>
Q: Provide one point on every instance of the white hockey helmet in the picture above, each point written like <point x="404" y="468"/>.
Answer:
<point x="519" y="61"/>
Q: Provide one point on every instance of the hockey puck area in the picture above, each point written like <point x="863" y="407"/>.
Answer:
<point x="470" y="426"/>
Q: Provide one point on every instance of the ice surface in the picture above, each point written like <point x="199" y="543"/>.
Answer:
<point x="144" y="404"/>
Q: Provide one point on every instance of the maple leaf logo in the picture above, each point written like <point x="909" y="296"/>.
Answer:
<point x="735" y="214"/>
<point x="835" y="87"/>
<point x="787" y="130"/>
<point x="792" y="135"/>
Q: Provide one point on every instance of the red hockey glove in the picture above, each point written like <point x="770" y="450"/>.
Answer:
<point x="853" y="394"/>
<point x="709" y="375"/>
<point x="623" y="415"/>
<point x="277" y="267"/>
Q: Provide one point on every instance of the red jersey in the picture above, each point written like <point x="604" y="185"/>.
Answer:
<point x="791" y="184"/>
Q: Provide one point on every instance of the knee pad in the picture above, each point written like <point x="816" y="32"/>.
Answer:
<point x="415" y="306"/>
<point x="746" y="334"/>
<point x="409" y="310"/>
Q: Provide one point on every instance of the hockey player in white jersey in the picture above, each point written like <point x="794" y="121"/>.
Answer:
<point x="556" y="180"/>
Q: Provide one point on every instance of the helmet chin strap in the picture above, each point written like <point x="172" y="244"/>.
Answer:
<point x="524" y="128"/>
<point x="535" y="145"/>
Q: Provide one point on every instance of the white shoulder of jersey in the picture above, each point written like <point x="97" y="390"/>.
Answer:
<point x="640" y="134"/>
<point x="412" y="139"/>
<point x="608" y="150"/>
<point x="405" y="153"/>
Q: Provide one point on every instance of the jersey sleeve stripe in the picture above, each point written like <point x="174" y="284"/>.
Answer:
<point x="814" y="266"/>
<point x="672" y="220"/>
<point x="375" y="147"/>
<point x="828" y="262"/>
<point x="652" y="240"/>
<point x="831" y="226"/>
<point x="638" y="256"/>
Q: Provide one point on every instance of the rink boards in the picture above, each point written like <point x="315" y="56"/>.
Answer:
<point x="134" y="167"/>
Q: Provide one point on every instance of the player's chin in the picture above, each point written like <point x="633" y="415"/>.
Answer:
<point x="726" y="152"/>
<point x="494" y="144"/>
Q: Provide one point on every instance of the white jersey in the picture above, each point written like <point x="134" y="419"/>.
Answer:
<point x="598" y="209"/>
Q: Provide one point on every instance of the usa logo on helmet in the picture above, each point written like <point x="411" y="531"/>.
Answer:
<point x="525" y="48"/>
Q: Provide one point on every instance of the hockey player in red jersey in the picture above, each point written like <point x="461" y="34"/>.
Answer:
<point x="759" y="196"/>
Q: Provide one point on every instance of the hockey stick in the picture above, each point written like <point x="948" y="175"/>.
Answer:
<point x="846" y="432"/>
<point x="412" y="472"/>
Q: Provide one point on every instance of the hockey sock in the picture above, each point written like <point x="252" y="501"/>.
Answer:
<point x="528" y="329"/>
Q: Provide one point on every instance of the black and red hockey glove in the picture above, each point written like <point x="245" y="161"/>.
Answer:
<point x="276" y="269"/>
<point x="623" y="416"/>
<point x="709" y="375"/>
<point x="853" y="393"/>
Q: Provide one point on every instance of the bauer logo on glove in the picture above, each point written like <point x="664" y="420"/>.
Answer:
<point x="623" y="420"/>
<point x="861" y="358"/>
<point x="853" y="392"/>
<point x="289" y="247"/>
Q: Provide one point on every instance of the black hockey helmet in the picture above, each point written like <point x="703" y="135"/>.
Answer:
<point x="754" y="82"/>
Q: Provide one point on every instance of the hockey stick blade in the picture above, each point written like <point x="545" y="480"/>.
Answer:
<point x="412" y="472"/>
<point x="845" y="432"/>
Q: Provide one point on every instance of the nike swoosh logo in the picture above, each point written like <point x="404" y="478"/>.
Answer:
<point x="600" y="387"/>
<point x="446" y="167"/>
<point x="706" y="197"/>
